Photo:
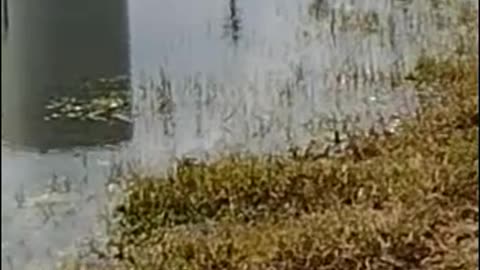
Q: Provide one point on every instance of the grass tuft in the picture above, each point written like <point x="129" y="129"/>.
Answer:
<point x="406" y="200"/>
<point x="402" y="201"/>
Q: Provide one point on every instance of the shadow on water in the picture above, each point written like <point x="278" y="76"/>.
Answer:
<point x="51" y="47"/>
<point x="273" y="73"/>
<point x="6" y="20"/>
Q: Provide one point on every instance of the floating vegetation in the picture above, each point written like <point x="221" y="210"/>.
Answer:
<point x="102" y="108"/>
<point x="345" y="19"/>
<point x="367" y="23"/>
<point x="105" y="100"/>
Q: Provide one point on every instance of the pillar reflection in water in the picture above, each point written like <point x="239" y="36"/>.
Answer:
<point x="52" y="45"/>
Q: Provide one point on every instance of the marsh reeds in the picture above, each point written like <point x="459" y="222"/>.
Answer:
<point x="388" y="200"/>
<point x="408" y="201"/>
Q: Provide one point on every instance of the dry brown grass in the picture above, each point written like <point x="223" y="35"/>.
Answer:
<point x="402" y="201"/>
<point x="408" y="201"/>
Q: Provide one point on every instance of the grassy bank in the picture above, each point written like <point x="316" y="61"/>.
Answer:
<point x="407" y="200"/>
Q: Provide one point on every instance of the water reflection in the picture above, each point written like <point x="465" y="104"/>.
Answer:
<point x="319" y="9"/>
<point x="233" y="22"/>
<point x="5" y="16"/>
<point x="51" y="47"/>
<point x="299" y="65"/>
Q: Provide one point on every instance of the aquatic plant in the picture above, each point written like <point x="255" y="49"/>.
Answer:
<point x="102" y="100"/>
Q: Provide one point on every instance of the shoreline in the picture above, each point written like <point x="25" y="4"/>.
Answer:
<point x="392" y="201"/>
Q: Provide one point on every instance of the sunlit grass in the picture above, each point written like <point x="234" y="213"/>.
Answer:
<point x="404" y="200"/>
<point x="297" y="213"/>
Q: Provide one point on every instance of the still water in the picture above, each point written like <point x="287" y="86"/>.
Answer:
<point x="242" y="75"/>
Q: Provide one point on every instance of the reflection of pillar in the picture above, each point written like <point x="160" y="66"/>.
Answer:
<point x="52" y="45"/>
<point x="318" y="9"/>
<point x="5" y="20"/>
<point x="233" y="24"/>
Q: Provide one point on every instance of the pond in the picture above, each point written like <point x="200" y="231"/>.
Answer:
<point x="201" y="77"/>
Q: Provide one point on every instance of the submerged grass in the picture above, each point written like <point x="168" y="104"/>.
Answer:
<point x="407" y="200"/>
